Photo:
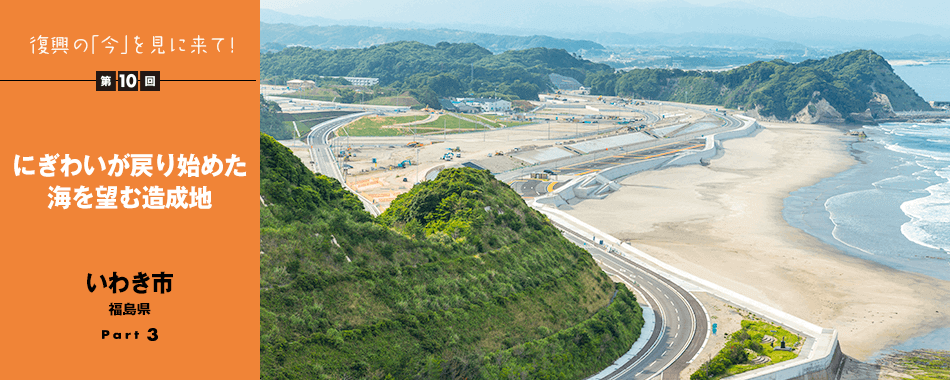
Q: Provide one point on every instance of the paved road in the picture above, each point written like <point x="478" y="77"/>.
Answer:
<point x="681" y="320"/>
<point x="319" y="140"/>
<point x="322" y="157"/>
<point x="534" y="187"/>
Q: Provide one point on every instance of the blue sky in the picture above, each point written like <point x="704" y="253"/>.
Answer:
<point x="932" y="12"/>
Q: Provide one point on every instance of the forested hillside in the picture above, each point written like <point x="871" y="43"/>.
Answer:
<point x="851" y="83"/>
<point x="855" y="86"/>
<point x="457" y="279"/>
<point x="352" y="36"/>
<point x="443" y="70"/>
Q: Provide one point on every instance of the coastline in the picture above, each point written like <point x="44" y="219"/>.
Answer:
<point x="724" y="223"/>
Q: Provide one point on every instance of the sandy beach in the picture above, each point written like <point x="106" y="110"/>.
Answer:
<point x="724" y="223"/>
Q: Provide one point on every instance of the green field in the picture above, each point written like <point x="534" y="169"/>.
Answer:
<point x="307" y="120"/>
<point x="373" y="126"/>
<point x="450" y="124"/>
<point x="506" y="121"/>
<point x="733" y="359"/>
<point x="319" y="93"/>
<point x="402" y="100"/>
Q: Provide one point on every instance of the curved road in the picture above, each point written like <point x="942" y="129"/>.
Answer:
<point x="682" y="322"/>
<point x="322" y="158"/>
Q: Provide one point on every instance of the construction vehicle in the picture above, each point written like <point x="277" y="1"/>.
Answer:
<point x="404" y="164"/>
<point x="414" y="144"/>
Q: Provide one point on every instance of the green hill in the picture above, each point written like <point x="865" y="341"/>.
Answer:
<point x="457" y="279"/>
<point x="858" y="85"/>
<point x="442" y="70"/>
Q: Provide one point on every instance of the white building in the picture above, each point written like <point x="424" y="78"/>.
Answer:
<point x="365" y="82"/>
<point x="488" y="104"/>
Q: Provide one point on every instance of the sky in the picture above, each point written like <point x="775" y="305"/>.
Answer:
<point x="931" y="12"/>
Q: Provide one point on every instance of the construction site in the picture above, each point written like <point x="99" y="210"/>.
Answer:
<point x="564" y="134"/>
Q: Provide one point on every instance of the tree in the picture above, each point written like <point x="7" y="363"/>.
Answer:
<point x="271" y="122"/>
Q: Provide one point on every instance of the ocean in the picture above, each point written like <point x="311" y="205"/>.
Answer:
<point x="932" y="82"/>
<point x="893" y="206"/>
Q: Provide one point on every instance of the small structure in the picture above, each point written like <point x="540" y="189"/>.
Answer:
<point x="360" y="81"/>
<point x="484" y="104"/>
<point x="448" y="105"/>
<point x="299" y="84"/>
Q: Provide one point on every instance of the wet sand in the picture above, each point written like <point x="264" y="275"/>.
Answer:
<point x="724" y="223"/>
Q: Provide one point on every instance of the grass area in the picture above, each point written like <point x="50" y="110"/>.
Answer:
<point x="506" y="120"/>
<point x="319" y="93"/>
<point x="373" y="126"/>
<point x="307" y="120"/>
<point x="402" y="100"/>
<point x="451" y="125"/>
<point x="459" y="278"/>
<point x="927" y="364"/>
<point x="735" y="359"/>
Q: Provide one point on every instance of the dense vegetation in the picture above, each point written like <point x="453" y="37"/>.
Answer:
<point x="281" y="125"/>
<point x="271" y="121"/>
<point x="921" y="364"/>
<point x="776" y="88"/>
<point x="745" y="345"/>
<point x="275" y="36"/>
<point x="457" y="279"/>
<point x="430" y="72"/>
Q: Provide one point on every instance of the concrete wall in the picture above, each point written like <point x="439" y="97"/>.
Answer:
<point x="821" y="363"/>
<point x="820" y="357"/>
<point x="574" y="188"/>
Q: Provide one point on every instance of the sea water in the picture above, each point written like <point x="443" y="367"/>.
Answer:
<point x="893" y="207"/>
<point x="932" y="81"/>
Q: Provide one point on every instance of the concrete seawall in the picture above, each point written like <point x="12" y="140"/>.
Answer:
<point x="820" y="357"/>
<point x="581" y="188"/>
<point x="822" y="363"/>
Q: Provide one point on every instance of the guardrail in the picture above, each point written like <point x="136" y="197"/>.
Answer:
<point x="821" y="355"/>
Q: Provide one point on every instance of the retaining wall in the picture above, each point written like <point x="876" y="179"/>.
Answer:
<point x="820" y="357"/>
<point x="822" y="363"/>
<point x="572" y="189"/>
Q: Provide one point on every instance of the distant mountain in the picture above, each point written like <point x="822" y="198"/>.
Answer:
<point x="443" y="70"/>
<point x="591" y="19"/>
<point x="697" y="39"/>
<point x="274" y="17"/>
<point x="855" y="86"/>
<point x="336" y="37"/>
